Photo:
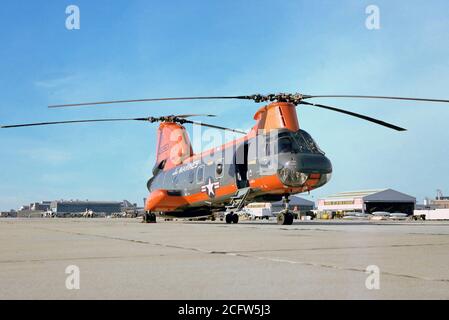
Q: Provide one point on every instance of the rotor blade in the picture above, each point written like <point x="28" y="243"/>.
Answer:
<point x="357" y="115"/>
<point x="72" y="121"/>
<point x="144" y="100"/>
<point x="194" y="115"/>
<point x="214" y="126"/>
<point x="376" y="97"/>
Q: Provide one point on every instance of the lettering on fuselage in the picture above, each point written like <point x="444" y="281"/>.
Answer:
<point x="186" y="167"/>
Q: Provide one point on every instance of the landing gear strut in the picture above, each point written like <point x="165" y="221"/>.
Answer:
<point x="149" y="217"/>
<point x="232" y="218"/>
<point x="285" y="217"/>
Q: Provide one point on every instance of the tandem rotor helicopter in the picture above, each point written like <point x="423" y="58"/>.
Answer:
<point x="272" y="161"/>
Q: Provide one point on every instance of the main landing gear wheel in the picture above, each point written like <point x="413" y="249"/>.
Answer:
<point x="285" y="218"/>
<point x="149" y="217"/>
<point x="232" y="218"/>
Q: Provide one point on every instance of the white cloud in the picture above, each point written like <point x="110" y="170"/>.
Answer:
<point x="54" y="82"/>
<point x="47" y="155"/>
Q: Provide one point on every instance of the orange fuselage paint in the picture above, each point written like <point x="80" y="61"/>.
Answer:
<point x="160" y="200"/>
<point x="277" y="115"/>
<point x="173" y="144"/>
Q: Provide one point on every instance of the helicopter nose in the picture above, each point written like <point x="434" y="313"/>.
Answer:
<point x="296" y="171"/>
<point x="313" y="163"/>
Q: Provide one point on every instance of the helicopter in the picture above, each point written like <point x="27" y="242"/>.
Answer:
<point x="272" y="161"/>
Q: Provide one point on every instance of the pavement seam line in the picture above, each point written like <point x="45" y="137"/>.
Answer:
<point x="235" y="254"/>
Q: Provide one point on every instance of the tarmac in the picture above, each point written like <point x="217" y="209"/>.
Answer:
<point x="125" y="259"/>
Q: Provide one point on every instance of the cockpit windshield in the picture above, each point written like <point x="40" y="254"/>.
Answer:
<point x="297" y="142"/>
<point x="303" y="138"/>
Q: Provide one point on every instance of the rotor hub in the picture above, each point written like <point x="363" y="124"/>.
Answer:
<point x="294" y="98"/>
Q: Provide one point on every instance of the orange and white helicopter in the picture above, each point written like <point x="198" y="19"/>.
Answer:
<point x="272" y="161"/>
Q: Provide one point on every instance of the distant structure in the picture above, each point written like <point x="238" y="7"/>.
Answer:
<point x="40" y="206"/>
<point x="76" y="206"/>
<point x="72" y="208"/>
<point x="8" y="214"/>
<point x="368" y="201"/>
<point x="440" y="202"/>
<point x="299" y="203"/>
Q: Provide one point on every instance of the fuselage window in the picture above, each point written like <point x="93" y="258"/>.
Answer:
<point x="219" y="169"/>
<point x="200" y="174"/>
<point x="191" y="176"/>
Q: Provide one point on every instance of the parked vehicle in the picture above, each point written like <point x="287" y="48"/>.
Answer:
<point x="258" y="211"/>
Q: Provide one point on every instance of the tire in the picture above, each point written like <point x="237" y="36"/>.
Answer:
<point x="235" y="218"/>
<point x="280" y="218"/>
<point x="228" y="218"/>
<point x="149" y="217"/>
<point x="288" y="221"/>
<point x="285" y="219"/>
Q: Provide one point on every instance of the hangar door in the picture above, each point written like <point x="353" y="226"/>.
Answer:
<point x="392" y="207"/>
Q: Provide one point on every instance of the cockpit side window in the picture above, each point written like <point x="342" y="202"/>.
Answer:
<point x="285" y="145"/>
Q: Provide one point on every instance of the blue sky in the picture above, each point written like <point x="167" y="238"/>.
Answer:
<point x="134" y="49"/>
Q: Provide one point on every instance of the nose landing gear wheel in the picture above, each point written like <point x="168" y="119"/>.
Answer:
<point x="285" y="218"/>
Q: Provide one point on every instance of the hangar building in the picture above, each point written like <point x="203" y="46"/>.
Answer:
<point x="299" y="203"/>
<point x="368" y="201"/>
<point x="81" y="206"/>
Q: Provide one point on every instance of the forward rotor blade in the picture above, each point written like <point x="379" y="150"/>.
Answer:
<point x="195" y="115"/>
<point x="357" y="115"/>
<point x="375" y="97"/>
<point x="143" y="100"/>
<point x="72" y="121"/>
<point x="214" y="126"/>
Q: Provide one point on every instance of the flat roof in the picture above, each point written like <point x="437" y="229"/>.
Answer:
<point x="86" y="202"/>
<point x="375" y="195"/>
<point x="354" y="194"/>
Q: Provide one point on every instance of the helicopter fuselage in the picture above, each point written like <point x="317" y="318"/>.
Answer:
<point x="272" y="165"/>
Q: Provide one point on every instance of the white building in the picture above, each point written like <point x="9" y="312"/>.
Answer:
<point x="368" y="201"/>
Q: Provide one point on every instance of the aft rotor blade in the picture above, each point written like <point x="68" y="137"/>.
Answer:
<point x="214" y="126"/>
<point x="375" y="97"/>
<point x="71" y="121"/>
<point x="144" y="100"/>
<point x="357" y="115"/>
